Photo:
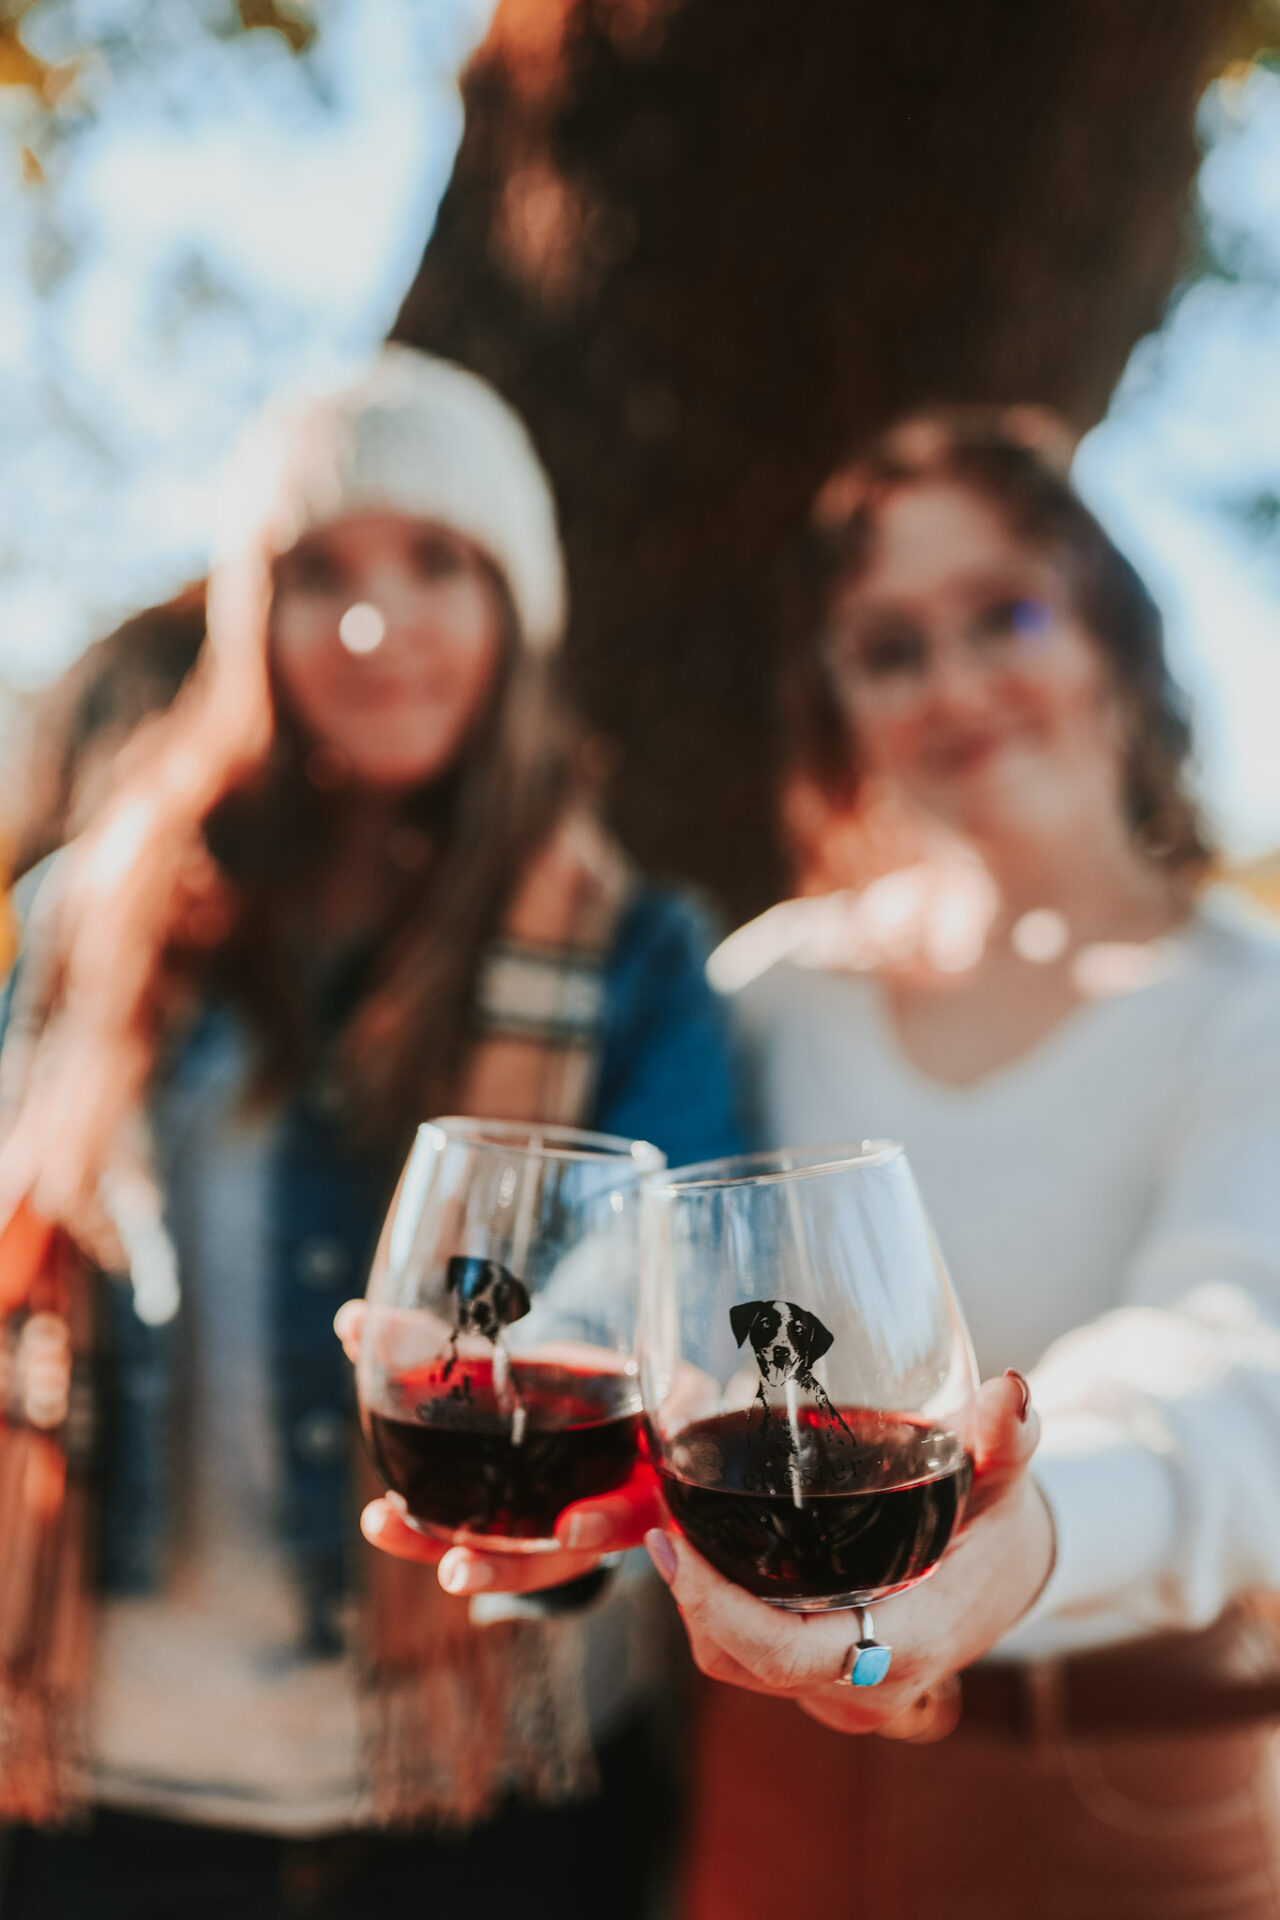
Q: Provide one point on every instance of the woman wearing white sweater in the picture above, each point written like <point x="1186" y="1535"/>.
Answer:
<point x="1081" y="1048"/>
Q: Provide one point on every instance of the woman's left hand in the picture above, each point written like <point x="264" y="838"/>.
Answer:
<point x="588" y="1531"/>
<point x="988" y="1578"/>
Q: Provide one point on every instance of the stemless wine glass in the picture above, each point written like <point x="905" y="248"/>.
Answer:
<point x="496" y="1379"/>
<point x="806" y="1372"/>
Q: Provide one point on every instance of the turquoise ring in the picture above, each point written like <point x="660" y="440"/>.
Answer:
<point x="869" y="1660"/>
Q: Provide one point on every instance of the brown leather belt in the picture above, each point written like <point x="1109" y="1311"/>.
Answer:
<point x="1110" y="1694"/>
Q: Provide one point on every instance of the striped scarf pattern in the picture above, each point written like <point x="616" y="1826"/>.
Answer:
<point x="456" y="1716"/>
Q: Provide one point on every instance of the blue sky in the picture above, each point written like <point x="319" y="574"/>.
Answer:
<point x="1194" y="428"/>
<point x="221" y="217"/>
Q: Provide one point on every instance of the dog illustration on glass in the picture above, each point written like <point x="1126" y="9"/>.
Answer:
<point x="489" y="1299"/>
<point x="787" y="1341"/>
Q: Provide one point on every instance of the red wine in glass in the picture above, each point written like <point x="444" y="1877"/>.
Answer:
<point x="503" y="1459"/>
<point x="495" y="1377"/>
<point x="806" y="1371"/>
<point x="817" y="1502"/>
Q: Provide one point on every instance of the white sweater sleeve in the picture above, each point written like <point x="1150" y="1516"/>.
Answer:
<point x="1160" y="1455"/>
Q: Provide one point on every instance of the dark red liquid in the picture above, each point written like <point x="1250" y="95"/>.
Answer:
<point x="449" y="1446"/>
<point x="861" y="1509"/>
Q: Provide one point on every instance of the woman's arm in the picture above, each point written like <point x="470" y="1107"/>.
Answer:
<point x="1160" y="1457"/>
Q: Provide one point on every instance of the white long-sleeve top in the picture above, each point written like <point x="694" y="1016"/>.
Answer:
<point x="1109" y="1207"/>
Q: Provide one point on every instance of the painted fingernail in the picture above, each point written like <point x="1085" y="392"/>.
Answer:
<point x="586" y="1530"/>
<point x="1011" y="1373"/>
<point x="397" y="1503"/>
<point x="461" y="1572"/>
<point x="662" y="1554"/>
<point x="373" y="1520"/>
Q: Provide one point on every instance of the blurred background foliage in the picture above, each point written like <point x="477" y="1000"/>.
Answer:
<point x="703" y="245"/>
<point x="198" y="203"/>
<point x="1252" y="33"/>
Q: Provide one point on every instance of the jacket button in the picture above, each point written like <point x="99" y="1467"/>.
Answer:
<point x="321" y="1436"/>
<point x="321" y="1262"/>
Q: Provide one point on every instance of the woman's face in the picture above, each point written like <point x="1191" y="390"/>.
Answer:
<point x="969" y="681"/>
<point x="386" y="634"/>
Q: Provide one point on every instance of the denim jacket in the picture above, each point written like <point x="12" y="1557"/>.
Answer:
<point x="665" y="1075"/>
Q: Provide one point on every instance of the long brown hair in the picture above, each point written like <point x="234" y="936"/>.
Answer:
<point x="1014" y="459"/>
<point x="83" y="717"/>
<point x="466" y="837"/>
<point x="186" y="881"/>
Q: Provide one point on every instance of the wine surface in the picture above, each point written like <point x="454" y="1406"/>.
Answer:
<point x="819" y="1505"/>
<point x="503" y="1458"/>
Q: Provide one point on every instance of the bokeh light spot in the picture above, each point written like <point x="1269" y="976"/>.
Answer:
<point x="362" y="628"/>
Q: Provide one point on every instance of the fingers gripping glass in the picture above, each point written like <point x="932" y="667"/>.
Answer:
<point x="806" y="1374"/>
<point x="496" y="1380"/>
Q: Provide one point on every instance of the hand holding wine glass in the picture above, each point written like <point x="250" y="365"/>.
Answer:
<point x="496" y="1383"/>
<point x="816" y="1427"/>
<point x="990" y="1574"/>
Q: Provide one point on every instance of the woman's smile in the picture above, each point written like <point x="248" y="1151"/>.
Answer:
<point x="977" y="711"/>
<point x="386" y="637"/>
<point x="959" y="755"/>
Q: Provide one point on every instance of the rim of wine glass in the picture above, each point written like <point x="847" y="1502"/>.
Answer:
<point x="552" y="1142"/>
<point x="764" y="1169"/>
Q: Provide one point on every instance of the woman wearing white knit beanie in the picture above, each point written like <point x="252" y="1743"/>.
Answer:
<point x="348" y="881"/>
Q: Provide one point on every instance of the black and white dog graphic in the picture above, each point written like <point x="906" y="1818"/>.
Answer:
<point x="488" y="1299"/>
<point x="787" y="1340"/>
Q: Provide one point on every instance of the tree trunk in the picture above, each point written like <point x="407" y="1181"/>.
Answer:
<point x="703" y="245"/>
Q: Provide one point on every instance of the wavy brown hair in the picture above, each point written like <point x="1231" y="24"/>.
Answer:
<point x="1015" y="460"/>
<point x="85" y="716"/>
<point x="466" y="838"/>
<point x="194" y="874"/>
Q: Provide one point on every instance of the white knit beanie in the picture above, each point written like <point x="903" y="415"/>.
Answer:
<point x="414" y="435"/>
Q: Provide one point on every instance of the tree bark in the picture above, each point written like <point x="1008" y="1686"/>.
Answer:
<point x="704" y="245"/>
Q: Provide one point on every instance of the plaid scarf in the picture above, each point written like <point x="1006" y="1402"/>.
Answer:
<point x="456" y="1716"/>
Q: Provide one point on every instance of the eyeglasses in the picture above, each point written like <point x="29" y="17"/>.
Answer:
<point x="881" y="657"/>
